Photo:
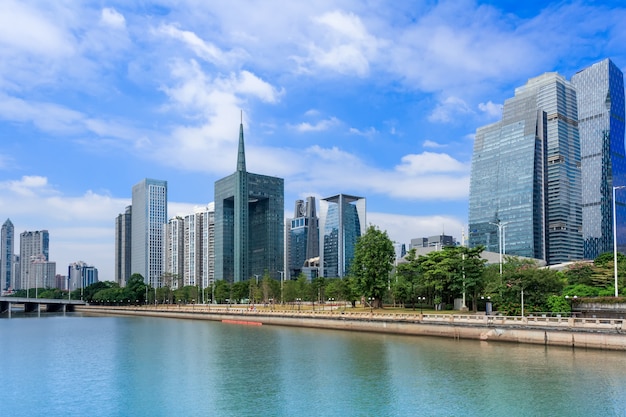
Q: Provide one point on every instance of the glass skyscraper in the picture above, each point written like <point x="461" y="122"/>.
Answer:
<point x="249" y="217"/>
<point x="600" y="89"/>
<point x="341" y="223"/>
<point x="148" y="219"/>
<point x="525" y="181"/>
<point x="302" y="236"/>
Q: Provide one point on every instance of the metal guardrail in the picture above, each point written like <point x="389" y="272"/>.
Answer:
<point x="448" y="319"/>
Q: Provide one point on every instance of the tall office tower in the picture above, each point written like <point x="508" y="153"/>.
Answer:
<point x="149" y="215"/>
<point x="174" y="252"/>
<point x="81" y="275"/>
<point x="7" y="237"/>
<point x="123" y="247"/>
<point x="302" y="236"/>
<point x="32" y="244"/>
<point x="600" y="91"/>
<point x="341" y="223"/>
<point x="525" y="182"/>
<point x="249" y="215"/>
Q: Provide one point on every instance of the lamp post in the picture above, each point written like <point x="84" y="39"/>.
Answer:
<point x="422" y="300"/>
<point x="501" y="227"/>
<point x="615" y="237"/>
<point x="571" y="303"/>
<point x="282" y="280"/>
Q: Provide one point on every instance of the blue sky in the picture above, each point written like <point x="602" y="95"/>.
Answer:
<point x="374" y="98"/>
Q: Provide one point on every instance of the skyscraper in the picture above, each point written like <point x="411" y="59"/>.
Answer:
<point x="33" y="246"/>
<point x="81" y="275"/>
<point x="600" y="90"/>
<point x="341" y="223"/>
<point x="174" y="252"/>
<point x="123" y="243"/>
<point x="148" y="217"/>
<point x="249" y="215"/>
<point x="7" y="250"/>
<point x="302" y="236"/>
<point x="525" y="182"/>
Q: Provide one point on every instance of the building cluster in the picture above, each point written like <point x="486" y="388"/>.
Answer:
<point x="548" y="181"/>
<point x="243" y="234"/>
<point x="32" y="268"/>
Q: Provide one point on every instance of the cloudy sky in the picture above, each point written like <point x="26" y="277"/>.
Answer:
<point x="374" y="98"/>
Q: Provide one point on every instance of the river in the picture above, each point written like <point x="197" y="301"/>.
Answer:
<point x="142" y="366"/>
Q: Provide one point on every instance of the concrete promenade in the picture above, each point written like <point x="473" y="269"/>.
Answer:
<point x="593" y="333"/>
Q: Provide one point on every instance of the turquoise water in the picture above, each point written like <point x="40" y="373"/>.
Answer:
<point x="116" y="366"/>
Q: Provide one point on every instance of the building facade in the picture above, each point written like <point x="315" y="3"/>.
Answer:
<point x="600" y="92"/>
<point x="302" y="238"/>
<point x="81" y="275"/>
<point x="526" y="180"/>
<point x="7" y="255"/>
<point x="249" y="217"/>
<point x="148" y="217"/>
<point x="42" y="273"/>
<point x="341" y="222"/>
<point x="174" y="252"/>
<point x="123" y="245"/>
<point x="33" y="245"/>
<point x="437" y="242"/>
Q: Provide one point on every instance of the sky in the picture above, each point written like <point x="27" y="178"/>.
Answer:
<point x="379" y="99"/>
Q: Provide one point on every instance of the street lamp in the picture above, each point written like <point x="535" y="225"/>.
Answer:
<point x="615" y="237"/>
<point x="501" y="227"/>
<point x="282" y="280"/>
<point x="571" y="303"/>
<point x="422" y="300"/>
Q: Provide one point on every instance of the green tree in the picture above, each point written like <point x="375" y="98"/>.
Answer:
<point x="372" y="263"/>
<point x="410" y="276"/>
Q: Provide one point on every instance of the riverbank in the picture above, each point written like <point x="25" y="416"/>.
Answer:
<point x="550" y="331"/>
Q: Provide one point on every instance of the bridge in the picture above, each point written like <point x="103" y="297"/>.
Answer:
<point x="34" y="304"/>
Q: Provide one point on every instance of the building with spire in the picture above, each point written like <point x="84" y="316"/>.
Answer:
<point x="249" y="216"/>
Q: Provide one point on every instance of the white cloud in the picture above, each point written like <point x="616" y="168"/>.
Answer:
<point x="491" y="109"/>
<point x="432" y="144"/>
<point x="342" y="44"/>
<point x="113" y="18"/>
<point x="29" y="30"/>
<point x="403" y="228"/>
<point x="429" y="162"/>
<point x="448" y="109"/>
<point x="319" y="126"/>
<point x="370" y="132"/>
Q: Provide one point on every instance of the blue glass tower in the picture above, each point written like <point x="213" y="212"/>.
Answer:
<point x="341" y="223"/>
<point x="600" y="89"/>
<point x="525" y="181"/>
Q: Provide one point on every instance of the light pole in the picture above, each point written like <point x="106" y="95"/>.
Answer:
<point x="282" y="280"/>
<point x="501" y="227"/>
<point x="615" y="237"/>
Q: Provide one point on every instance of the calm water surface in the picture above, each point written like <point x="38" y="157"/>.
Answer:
<point x="116" y="366"/>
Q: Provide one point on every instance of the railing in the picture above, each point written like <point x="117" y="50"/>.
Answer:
<point x="447" y="319"/>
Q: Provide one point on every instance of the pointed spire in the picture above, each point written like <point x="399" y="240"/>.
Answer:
<point x="241" y="155"/>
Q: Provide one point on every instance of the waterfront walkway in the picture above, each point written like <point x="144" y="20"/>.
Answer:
<point x="563" y="331"/>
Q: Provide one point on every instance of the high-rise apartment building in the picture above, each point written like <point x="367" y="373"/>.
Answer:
<point x="7" y="251"/>
<point x="600" y="92"/>
<point x="526" y="180"/>
<point x="42" y="273"/>
<point x="341" y="223"/>
<point x="207" y="236"/>
<point x="33" y="245"/>
<point x="249" y="216"/>
<point x="123" y="243"/>
<point x="174" y="252"/>
<point x="302" y="237"/>
<point x="81" y="275"/>
<point x="148" y="217"/>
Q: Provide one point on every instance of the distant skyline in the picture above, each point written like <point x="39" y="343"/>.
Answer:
<point x="377" y="99"/>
